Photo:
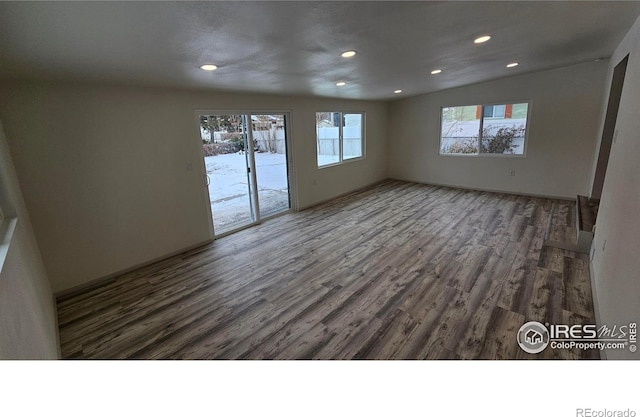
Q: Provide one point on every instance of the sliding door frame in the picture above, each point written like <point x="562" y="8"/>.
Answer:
<point x="293" y="195"/>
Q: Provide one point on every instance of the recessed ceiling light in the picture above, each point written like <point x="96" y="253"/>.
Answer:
<point x="341" y="83"/>
<point x="348" y="54"/>
<point x="397" y="92"/>
<point x="208" y="67"/>
<point x="436" y="71"/>
<point x="513" y="64"/>
<point x="482" y="39"/>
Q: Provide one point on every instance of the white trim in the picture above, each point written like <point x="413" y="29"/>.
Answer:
<point x="203" y="173"/>
<point x="103" y="280"/>
<point x="8" y="213"/>
<point x="487" y="190"/>
<point x="364" y="187"/>
<point x="250" y="162"/>
<point x="7" y="230"/>
<point x="333" y="164"/>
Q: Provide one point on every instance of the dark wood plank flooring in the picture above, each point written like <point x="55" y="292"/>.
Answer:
<point x="396" y="271"/>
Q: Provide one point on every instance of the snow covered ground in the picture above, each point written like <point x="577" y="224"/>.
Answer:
<point x="229" y="187"/>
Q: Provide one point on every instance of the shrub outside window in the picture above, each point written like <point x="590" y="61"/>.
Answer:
<point x="497" y="129"/>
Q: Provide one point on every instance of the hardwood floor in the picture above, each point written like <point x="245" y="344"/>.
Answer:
<point x="397" y="271"/>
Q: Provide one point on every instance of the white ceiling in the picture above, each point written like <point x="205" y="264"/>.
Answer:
<point x="294" y="47"/>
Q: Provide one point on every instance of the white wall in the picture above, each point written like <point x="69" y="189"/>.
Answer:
<point x="104" y="170"/>
<point x="566" y="107"/>
<point x="615" y="264"/>
<point x="28" y="327"/>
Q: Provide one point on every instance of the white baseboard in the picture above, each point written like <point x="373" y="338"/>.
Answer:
<point x="69" y="292"/>
<point x="488" y="190"/>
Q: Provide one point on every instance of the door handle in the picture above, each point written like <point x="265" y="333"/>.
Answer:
<point x="207" y="180"/>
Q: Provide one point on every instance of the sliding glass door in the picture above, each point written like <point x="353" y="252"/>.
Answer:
<point x="270" y="157"/>
<point x="246" y="167"/>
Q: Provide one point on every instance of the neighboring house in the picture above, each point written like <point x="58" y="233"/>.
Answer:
<point x="472" y="113"/>
<point x="461" y="125"/>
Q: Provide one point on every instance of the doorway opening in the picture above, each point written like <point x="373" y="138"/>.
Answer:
<point x="246" y="167"/>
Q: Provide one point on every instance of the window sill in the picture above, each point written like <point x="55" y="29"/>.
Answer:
<point x="344" y="161"/>
<point x="487" y="155"/>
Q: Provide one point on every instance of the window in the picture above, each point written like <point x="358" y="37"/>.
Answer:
<point x="494" y="111"/>
<point x="497" y="129"/>
<point x="339" y="137"/>
<point x="8" y="216"/>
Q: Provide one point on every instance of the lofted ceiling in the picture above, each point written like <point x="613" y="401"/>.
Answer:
<point x="294" y="47"/>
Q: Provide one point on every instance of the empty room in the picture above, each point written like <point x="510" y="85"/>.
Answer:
<point x="319" y="180"/>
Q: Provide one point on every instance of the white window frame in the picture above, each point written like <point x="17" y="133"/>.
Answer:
<point x="490" y="155"/>
<point x="493" y="110"/>
<point x="341" y="159"/>
<point x="8" y="216"/>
